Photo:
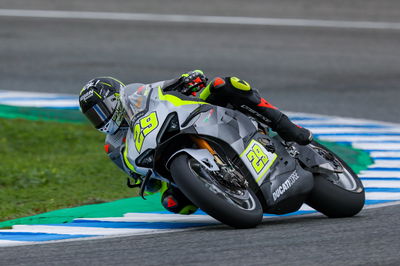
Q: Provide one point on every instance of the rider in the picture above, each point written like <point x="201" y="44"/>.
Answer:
<point x="100" y="103"/>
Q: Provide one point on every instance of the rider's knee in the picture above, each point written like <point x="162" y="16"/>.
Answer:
<point x="239" y="84"/>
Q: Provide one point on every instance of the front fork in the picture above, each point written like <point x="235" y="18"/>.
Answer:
<point x="228" y="173"/>
<point x="203" y="144"/>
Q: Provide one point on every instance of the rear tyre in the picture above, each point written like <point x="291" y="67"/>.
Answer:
<point x="237" y="208"/>
<point x="336" y="195"/>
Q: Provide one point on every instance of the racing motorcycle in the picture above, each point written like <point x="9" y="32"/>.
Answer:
<point x="228" y="164"/>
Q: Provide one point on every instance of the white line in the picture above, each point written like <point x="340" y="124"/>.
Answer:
<point x="7" y="243"/>
<point x="335" y="121"/>
<point x="27" y="94"/>
<point x="377" y="146"/>
<point x="380" y="205"/>
<point x="359" y="138"/>
<point x="42" y="103"/>
<point x="381" y="184"/>
<point x="155" y="217"/>
<point x="383" y="174"/>
<point x="382" y="196"/>
<point x="344" y="130"/>
<point x="392" y="154"/>
<point x="200" y="19"/>
<point x="386" y="164"/>
<point x="74" y="230"/>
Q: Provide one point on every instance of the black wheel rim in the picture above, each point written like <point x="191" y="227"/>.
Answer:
<point x="239" y="197"/>
<point x="346" y="178"/>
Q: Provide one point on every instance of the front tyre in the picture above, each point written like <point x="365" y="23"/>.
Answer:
<point x="338" y="194"/>
<point x="239" y="208"/>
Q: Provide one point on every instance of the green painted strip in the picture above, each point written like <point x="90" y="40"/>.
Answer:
<point x="43" y="114"/>
<point x="111" y="209"/>
<point x="357" y="159"/>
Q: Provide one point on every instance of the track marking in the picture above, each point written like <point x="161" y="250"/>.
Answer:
<point x="253" y="21"/>
<point x="381" y="180"/>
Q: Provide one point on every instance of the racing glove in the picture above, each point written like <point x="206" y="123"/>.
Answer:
<point x="193" y="82"/>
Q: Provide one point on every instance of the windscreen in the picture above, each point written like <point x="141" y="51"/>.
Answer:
<point x="134" y="100"/>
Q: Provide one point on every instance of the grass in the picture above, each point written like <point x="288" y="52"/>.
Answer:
<point x="46" y="166"/>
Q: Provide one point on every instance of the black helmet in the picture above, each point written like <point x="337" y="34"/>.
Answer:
<point x="99" y="102"/>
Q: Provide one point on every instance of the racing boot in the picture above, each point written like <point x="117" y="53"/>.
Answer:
<point x="238" y="93"/>
<point x="174" y="201"/>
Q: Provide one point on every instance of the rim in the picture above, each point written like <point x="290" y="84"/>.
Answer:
<point x="346" y="179"/>
<point x="241" y="198"/>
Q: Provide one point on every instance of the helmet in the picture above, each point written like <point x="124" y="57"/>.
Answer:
<point x="99" y="102"/>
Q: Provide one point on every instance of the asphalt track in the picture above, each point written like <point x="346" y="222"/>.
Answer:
<point x="348" y="72"/>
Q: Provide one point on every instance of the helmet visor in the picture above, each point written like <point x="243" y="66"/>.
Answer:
<point x="99" y="114"/>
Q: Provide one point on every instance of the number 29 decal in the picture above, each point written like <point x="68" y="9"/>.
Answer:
<point x="258" y="160"/>
<point x="142" y="128"/>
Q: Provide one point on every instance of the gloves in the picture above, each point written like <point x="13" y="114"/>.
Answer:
<point x="193" y="82"/>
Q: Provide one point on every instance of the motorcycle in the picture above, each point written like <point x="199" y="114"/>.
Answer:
<point x="229" y="164"/>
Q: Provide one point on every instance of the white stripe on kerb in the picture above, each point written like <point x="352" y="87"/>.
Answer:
<point x="385" y="174"/>
<point x="382" y="196"/>
<point x="377" y="146"/>
<point x="381" y="184"/>
<point x="344" y="130"/>
<point x="377" y="154"/>
<point x="73" y="230"/>
<point x="43" y="103"/>
<point x="7" y="243"/>
<point x="386" y="164"/>
<point x="200" y="19"/>
<point x="359" y="138"/>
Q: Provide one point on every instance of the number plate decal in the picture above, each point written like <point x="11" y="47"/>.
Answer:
<point x="258" y="160"/>
<point x="142" y="128"/>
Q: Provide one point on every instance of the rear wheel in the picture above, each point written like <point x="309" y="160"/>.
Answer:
<point x="234" y="206"/>
<point x="336" y="194"/>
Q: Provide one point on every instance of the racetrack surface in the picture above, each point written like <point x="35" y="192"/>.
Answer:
<point x="348" y="72"/>
<point x="370" y="238"/>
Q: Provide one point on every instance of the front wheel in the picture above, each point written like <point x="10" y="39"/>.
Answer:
<point x="337" y="194"/>
<point x="238" y="207"/>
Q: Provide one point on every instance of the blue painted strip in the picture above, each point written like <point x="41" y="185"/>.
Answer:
<point x="381" y="178"/>
<point x="392" y="169"/>
<point x="386" y="158"/>
<point x="289" y="214"/>
<point x="307" y="118"/>
<point x="372" y="202"/>
<point x="131" y="225"/>
<point x="382" y="189"/>
<point x="347" y="126"/>
<point x="27" y="236"/>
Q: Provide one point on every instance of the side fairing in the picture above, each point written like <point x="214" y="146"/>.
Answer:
<point x="226" y="124"/>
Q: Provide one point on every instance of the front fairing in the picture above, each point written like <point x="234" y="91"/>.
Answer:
<point x="147" y="108"/>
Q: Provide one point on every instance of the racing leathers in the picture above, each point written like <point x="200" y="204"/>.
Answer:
<point x="227" y="92"/>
